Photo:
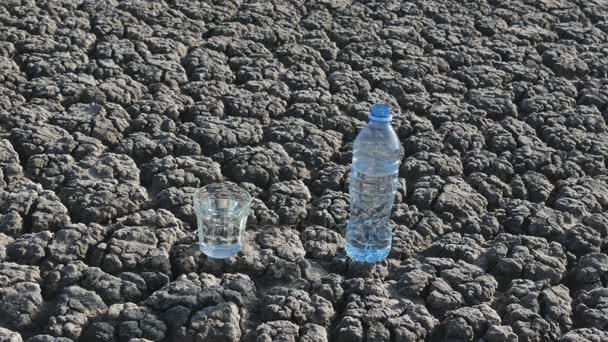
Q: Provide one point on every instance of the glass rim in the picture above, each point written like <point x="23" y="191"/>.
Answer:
<point x="241" y="195"/>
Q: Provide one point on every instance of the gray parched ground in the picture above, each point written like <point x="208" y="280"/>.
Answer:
<point x="112" y="113"/>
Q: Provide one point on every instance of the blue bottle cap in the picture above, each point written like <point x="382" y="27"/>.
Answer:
<point x="380" y="112"/>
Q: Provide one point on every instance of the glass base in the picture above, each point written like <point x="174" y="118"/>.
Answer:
<point x="220" y="251"/>
<point x="366" y="255"/>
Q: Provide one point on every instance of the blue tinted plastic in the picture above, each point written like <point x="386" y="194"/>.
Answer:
<point x="373" y="183"/>
<point x="380" y="112"/>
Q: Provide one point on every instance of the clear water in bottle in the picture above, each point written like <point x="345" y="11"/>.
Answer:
<point x="373" y="183"/>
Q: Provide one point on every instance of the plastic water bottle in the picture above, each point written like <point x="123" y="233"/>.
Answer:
<point x="373" y="183"/>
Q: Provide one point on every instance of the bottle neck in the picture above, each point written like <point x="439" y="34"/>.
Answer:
<point x="377" y="123"/>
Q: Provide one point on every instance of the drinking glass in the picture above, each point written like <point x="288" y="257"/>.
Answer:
<point x="221" y="211"/>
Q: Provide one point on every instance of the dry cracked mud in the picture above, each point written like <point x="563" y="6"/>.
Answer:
<point x="112" y="113"/>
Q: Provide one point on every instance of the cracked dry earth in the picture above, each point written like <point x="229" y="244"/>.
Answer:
<point x="112" y="113"/>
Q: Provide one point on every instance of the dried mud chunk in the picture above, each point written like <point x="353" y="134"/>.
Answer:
<point x="469" y="323"/>
<point x="29" y="249"/>
<point x="423" y="164"/>
<point x="43" y="138"/>
<point x="49" y="169"/>
<point x="422" y="142"/>
<point x="142" y="242"/>
<point x="582" y="240"/>
<point x="329" y="287"/>
<point x="591" y="310"/>
<point x="304" y="142"/>
<point x="446" y="285"/>
<point x="585" y="334"/>
<point x="52" y="64"/>
<point x="330" y="176"/>
<point x="12" y="273"/>
<point x="589" y="273"/>
<point x="204" y="64"/>
<point x="321" y="243"/>
<point x="304" y="77"/>
<point x="156" y="70"/>
<point x="565" y="63"/>
<point x="406" y="243"/>
<point x="274" y="331"/>
<point x="130" y="322"/>
<point x="540" y="158"/>
<point x="5" y="240"/>
<point x="330" y="210"/>
<point x="322" y="115"/>
<point x="259" y="214"/>
<point x="202" y="306"/>
<point x="480" y="76"/>
<point x="536" y="310"/>
<point x="349" y="84"/>
<point x="183" y="292"/>
<point x="217" y="323"/>
<point x="274" y="254"/>
<point x="461" y="137"/>
<point x="24" y="205"/>
<point x="162" y="102"/>
<point x="365" y="316"/>
<point x="290" y="201"/>
<point x="120" y="51"/>
<point x="122" y="90"/>
<point x="522" y="217"/>
<point x="74" y="309"/>
<point x="294" y="54"/>
<point x="545" y="103"/>
<point x="285" y="243"/>
<point x="72" y="242"/>
<point x="425" y="191"/>
<point x="87" y="147"/>
<point x="538" y="186"/>
<point x="214" y="134"/>
<point x="22" y="303"/>
<point x="509" y="257"/>
<point x="105" y="122"/>
<point x="495" y="102"/>
<point x="9" y="99"/>
<point x="62" y="275"/>
<point x="179" y="202"/>
<point x="457" y="246"/>
<point x="491" y="188"/>
<point x="9" y="336"/>
<point x="499" y="139"/>
<point x="170" y="171"/>
<point x="460" y="200"/>
<point x="261" y="166"/>
<point x="142" y="147"/>
<point x="102" y="189"/>
<point x="582" y="196"/>
<point x="10" y="167"/>
<point x="129" y="287"/>
<point x="11" y="72"/>
<point x="487" y="162"/>
<point x="281" y="303"/>
<point x="261" y="106"/>
<point x="11" y="223"/>
<point x="313" y="332"/>
<point x="498" y="333"/>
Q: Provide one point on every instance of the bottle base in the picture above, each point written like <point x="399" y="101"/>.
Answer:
<point x="365" y="254"/>
<point x="220" y="252"/>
